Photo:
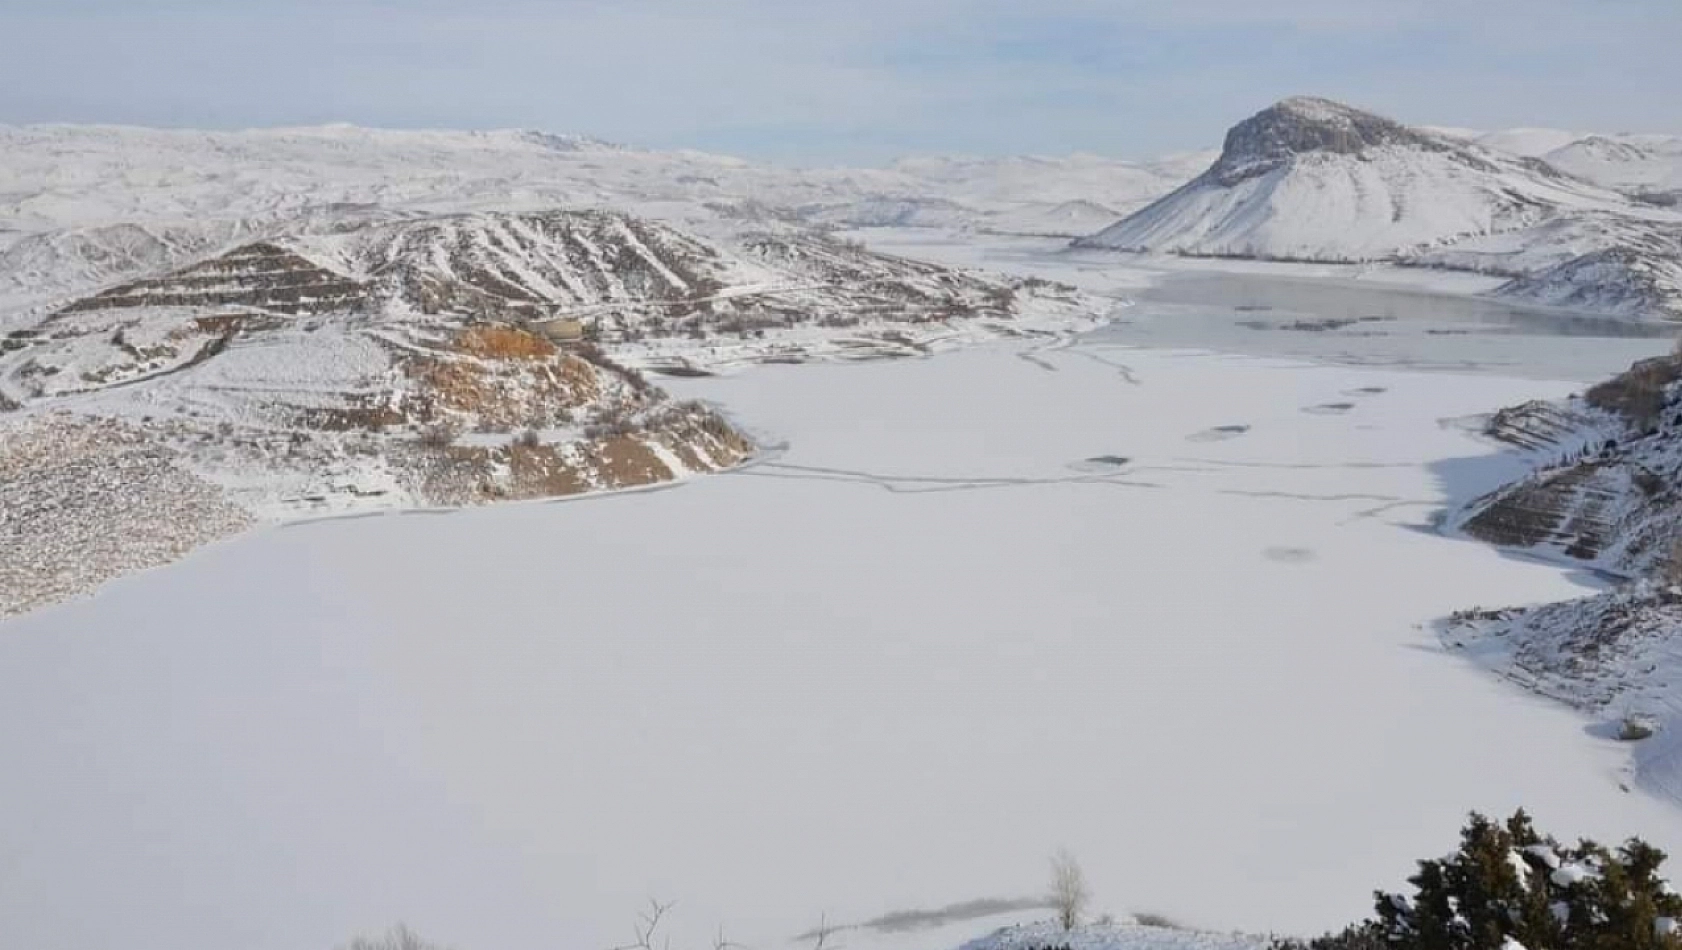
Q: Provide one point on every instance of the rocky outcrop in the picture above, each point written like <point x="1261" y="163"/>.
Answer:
<point x="83" y="500"/>
<point x="1271" y="138"/>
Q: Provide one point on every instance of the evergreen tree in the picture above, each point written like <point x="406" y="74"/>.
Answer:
<point x="1509" y="885"/>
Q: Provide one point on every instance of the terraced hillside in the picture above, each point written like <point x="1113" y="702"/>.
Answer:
<point x="1605" y="492"/>
<point x="447" y="360"/>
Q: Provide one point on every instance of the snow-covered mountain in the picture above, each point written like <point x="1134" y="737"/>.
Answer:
<point x="83" y="204"/>
<point x="1648" y="167"/>
<point x="1643" y="166"/>
<point x="1314" y="180"/>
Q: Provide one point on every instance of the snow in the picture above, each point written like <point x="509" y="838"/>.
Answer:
<point x="1172" y="608"/>
<point x="1432" y="319"/>
<point x="1338" y="207"/>
<point x="894" y="665"/>
<point x="1311" y="180"/>
<point x="1573" y="874"/>
<point x="1038" y="935"/>
<point x="81" y="206"/>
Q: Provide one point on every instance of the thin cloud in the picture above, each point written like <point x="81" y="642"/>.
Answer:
<point x="818" y="81"/>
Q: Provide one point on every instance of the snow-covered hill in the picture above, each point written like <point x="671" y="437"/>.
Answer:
<point x="1645" y="166"/>
<point x="1313" y="180"/>
<point x="274" y="324"/>
<point x="1065" y="196"/>
<point x="1604" y="490"/>
<point x="1605" y="487"/>
<point x="84" y="204"/>
<point x="399" y="360"/>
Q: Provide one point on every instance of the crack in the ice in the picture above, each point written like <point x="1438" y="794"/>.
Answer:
<point x="1296" y="465"/>
<point x="924" y="484"/>
<point x="1300" y="496"/>
<point x="1126" y="371"/>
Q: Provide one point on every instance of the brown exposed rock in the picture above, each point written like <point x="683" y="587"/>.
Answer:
<point x="497" y="341"/>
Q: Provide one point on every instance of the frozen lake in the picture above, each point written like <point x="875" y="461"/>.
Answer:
<point x="1357" y="315"/>
<point x="1166" y="608"/>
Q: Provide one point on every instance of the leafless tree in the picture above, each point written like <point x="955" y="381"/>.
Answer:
<point x="821" y="935"/>
<point x="647" y="930"/>
<point x="721" y="942"/>
<point x="1068" y="895"/>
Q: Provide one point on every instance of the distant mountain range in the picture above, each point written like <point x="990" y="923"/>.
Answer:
<point x="1314" y="180"/>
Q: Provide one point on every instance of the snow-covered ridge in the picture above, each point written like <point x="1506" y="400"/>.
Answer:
<point x="399" y="361"/>
<point x="1644" y="166"/>
<point x="85" y="179"/>
<point x="1605" y="492"/>
<point x="1314" y="180"/>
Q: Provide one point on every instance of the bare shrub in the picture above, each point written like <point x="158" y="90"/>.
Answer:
<point x="593" y="353"/>
<point x="1157" y="920"/>
<point x="399" y="937"/>
<point x="1068" y="895"/>
<point x="1670" y="566"/>
<point x="1358" y="937"/>
<point x="1638" y="393"/>
<point x="439" y="435"/>
<point x="612" y="421"/>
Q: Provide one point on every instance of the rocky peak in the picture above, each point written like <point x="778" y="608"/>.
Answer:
<point x="1304" y="124"/>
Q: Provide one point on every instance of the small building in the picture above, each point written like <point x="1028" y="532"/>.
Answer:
<point x="561" y="329"/>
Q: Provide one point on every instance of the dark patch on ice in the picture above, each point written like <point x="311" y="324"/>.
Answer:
<point x="1100" y="464"/>
<point x="905" y="921"/>
<point x="682" y="372"/>
<point x="1159" y="921"/>
<point x="1218" y="433"/>
<point x="1329" y="408"/>
<point x="1366" y="391"/>
<point x="1317" y="325"/>
<point x="1290" y="555"/>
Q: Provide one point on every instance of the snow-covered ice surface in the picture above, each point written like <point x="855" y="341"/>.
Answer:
<point x="1367" y="315"/>
<point x="891" y="667"/>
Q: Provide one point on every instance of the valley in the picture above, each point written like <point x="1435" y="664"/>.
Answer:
<point x="499" y="531"/>
<point x="934" y="632"/>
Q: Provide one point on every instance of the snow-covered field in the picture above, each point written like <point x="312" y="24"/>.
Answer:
<point x="891" y="667"/>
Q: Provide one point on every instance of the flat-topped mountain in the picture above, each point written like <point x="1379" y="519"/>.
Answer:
<point x="1313" y="180"/>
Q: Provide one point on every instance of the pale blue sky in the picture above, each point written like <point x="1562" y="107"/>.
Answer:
<point x="834" y="81"/>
